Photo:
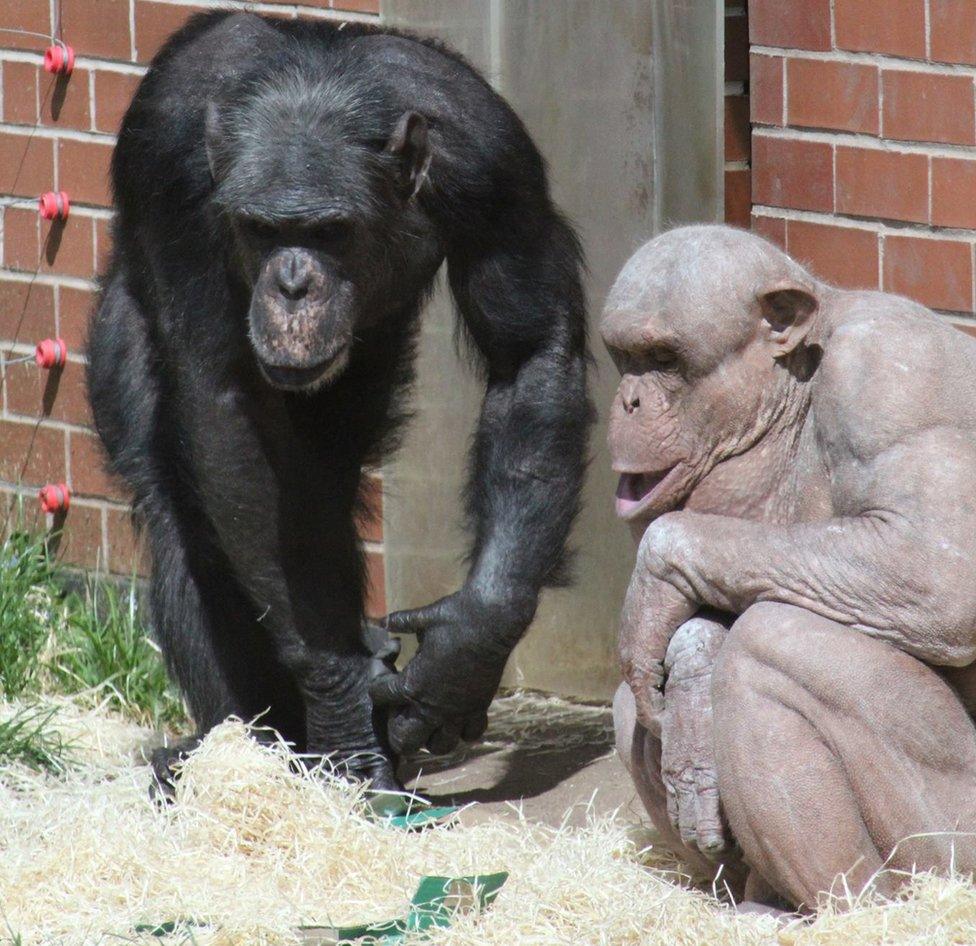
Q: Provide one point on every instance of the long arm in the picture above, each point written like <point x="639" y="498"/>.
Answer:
<point x="899" y="568"/>
<point x="521" y="300"/>
<point x="524" y="309"/>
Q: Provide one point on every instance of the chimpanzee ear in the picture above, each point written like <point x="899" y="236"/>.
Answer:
<point x="213" y="140"/>
<point x="409" y="144"/>
<point x="788" y="309"/>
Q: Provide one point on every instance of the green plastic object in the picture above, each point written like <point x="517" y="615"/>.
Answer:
<point x="437" y="901"/>
<point x="406" y="812"/>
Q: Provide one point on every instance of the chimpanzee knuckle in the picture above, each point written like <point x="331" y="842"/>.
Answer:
<point x="692" y="647"/>
<point x="656" y="551"/>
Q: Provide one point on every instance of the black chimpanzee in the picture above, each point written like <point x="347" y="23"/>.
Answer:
<point x="285" y="193"/>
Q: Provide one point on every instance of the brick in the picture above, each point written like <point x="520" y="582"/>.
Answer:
<point x="20" y="95"/>
<point x="370" y="523"/>
<point x="113" y="93"/>
<point x="770" y="228"/>
<point x="98" y="28"/>
<point x="58" y="394"/>
<point x="32" y="454"/>
<point x="738" y="197"/>
<point x="923" y="107"/>
<point x="356" y="6"/>
<point x="738" y="131"/>
<point x="836" y="95"/>
<point x="736" y="48"/>
<point x="968" y="327"/>
<point x="887" y="184"/>
<point x="896" y="27"/>
<point x="21" y="235"/>
<point x="65" y="101"/>
<point x="33" y="15"/>
<point x="84" y="167"/>
<point x="844" y="256"/>
<point x="155" y="23"/>
<point x="804" y="25"/>
<point x="793" y="173"/>
<point x="375" y="585"/>
<point x="80" y="542"/>
<point x="26" y="165"/>
<point x="89" y="476"/>
<point x="953" y="31"/>
<point x="766" y="89"/>
<point x="68" y="247"/>
<point x="127" y="552"/>
<point x="26" y="311"/>
<point x="74" y="309"/>
<point x="953" y="193"/>
<point x="103" y="243"/>
<point x="937" y="273"/>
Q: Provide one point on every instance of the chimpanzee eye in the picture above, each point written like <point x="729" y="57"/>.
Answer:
<point x="332" y="233"/>
<point x="261" y="229"/>
<point x="662" y="359"/>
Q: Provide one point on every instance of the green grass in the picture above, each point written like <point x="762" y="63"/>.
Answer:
<point x="29" y="610"/>
<point x="28" y="738"/>
<point x="88" y="643"/>
<point x="103" y="648"/>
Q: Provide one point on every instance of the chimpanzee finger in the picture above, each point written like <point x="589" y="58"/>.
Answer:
<point x="414" y="621"/>
<point x="388" y="689"/>
<point x="474" y="727"/>
<point x="445" y="739"/>
<point x="710" y="832"/>
<point x="408" y="732"/>
<point x="671" y="796"/>
<point x="687" y="811"/>
<point x="650" y="705"/>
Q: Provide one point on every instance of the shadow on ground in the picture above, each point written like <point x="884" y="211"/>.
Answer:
<point x="552" y="759"/>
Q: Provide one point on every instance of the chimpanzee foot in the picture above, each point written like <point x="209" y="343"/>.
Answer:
<point x="166" y="763"/>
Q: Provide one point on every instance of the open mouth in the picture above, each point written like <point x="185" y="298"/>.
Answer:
<point x="636" y="491"/>
<point x="305" y="379"/>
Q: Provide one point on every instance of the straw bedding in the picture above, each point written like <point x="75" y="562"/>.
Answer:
<point x="252" y="851"/>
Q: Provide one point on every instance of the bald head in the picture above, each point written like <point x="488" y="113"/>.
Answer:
<point x="699" y="283"/>
<point x="700" y="322"/>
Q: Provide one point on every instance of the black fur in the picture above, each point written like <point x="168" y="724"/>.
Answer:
<point x="247" y="492"/>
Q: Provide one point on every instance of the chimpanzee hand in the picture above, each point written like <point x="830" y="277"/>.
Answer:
<point x="654" y="609"/>
<point x="443" y="694"/>
<point x="688" y="766"/>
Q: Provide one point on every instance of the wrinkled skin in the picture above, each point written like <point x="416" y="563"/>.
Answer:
<point x="285" y="193"/>
<point x="798" y="464"/>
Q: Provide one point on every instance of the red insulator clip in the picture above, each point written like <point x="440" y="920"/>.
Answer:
<point x="54" y="205"/>
<point x="51" y="353"/>
<point x="55" y="497"/>
<point x="59" y="59"/>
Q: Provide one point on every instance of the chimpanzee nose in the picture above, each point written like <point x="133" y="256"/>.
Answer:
<point x="293" y="277"/>
<point x="629" y="396"/>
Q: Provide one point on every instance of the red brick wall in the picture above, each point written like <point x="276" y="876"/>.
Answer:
<point x="738" y="179"/>
<point x="864" y="117"/>
<point x="58" y="135"/>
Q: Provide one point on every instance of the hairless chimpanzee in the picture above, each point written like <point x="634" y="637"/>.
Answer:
<point x="285" y="193"/>
<point x="799" y="633"/>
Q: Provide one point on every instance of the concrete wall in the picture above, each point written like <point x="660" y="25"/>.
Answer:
<point x="627" y="149"/>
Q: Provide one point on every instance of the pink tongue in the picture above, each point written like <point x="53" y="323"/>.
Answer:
<point x="633" y="488"/>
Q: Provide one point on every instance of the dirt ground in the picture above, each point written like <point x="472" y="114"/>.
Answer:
<point x="564" y="761"/>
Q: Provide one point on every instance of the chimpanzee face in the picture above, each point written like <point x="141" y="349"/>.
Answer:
<point x="318" y="212"/>
<point x="305" y="295"/>
<point x="697" y="332"/>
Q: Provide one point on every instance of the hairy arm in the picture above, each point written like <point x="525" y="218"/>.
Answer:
<point x="521" y="300"/>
